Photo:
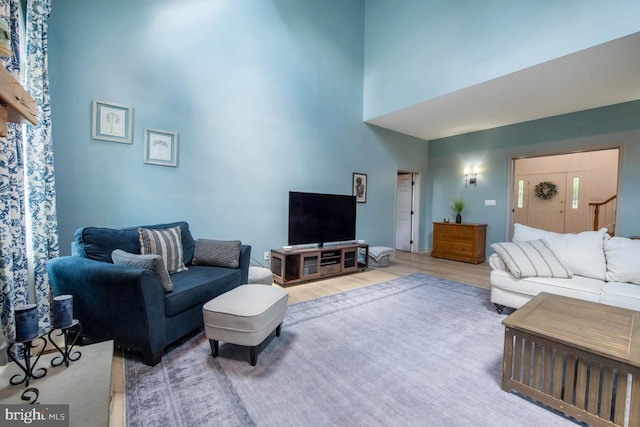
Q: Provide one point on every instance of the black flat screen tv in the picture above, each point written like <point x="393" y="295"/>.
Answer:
<point x="321" y="218"/>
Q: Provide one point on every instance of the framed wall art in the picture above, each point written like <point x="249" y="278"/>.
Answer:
<point x="360" y="187"/>
<point x="160" y="147"/>
<point x="111" y="122"/>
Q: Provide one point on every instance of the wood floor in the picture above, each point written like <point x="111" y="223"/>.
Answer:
<point x="404" y="263"/>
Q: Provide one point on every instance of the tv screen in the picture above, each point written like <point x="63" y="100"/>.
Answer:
<point x="321" y="218"/>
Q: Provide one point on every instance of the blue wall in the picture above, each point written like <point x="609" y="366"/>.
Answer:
<point x="494" y="149"/>
<point x="416" y="50"/>
<point x="265" y="95"/>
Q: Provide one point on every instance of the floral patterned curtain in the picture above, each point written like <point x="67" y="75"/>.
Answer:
<point x="13" y="248"/>
<point x="41" y="197"/>
<point x="28" y="224"/>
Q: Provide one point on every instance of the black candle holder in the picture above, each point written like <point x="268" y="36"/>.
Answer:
<point x="28" y="368"/>
<point x="30" y="395"/>
<point x="67" y="354"/>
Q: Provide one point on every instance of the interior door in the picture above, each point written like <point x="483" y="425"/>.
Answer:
<point x="548" y="214"/>
<point x="404" y="209"/>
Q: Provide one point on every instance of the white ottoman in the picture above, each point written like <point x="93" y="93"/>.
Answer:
<point x="245" y="316"/>
<point x="260" y="275"/>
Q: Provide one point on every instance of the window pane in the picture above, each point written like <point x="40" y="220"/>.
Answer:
<point x="520" y="193"/>
<point x="576" y="191"/>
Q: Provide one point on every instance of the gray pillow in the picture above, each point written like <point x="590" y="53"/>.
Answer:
<point x="154" y="263"/>
<point x="217" y="253"/>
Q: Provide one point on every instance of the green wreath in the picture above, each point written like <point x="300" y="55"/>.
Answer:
<point x="545" y="190"/>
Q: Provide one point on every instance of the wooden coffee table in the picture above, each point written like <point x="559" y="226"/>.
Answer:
<point x="579" y="357"/>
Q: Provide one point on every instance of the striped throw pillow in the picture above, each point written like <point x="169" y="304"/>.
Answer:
<point x="531" y="258"/>
<point x="164" y="242"/>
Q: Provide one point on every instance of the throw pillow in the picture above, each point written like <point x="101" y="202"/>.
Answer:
<point x="523" y="233"/>
<point x="582" y="253"/>
<point x="97" y="243"/>
<point x="147" y="262"/>
<point x="165" y="242"/>
<point x="217" y="253"/>
<point x="622" y="260"/>
<point x="533" y="258"/>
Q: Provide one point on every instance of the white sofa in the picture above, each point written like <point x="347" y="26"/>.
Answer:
<point x="590" y="266"/>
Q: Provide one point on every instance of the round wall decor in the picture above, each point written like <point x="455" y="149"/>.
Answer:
<point x="545" y="190"/>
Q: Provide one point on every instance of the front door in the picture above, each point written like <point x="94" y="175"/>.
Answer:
<point x="547" y="214"/>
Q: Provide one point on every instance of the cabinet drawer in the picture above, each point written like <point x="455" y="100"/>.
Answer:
<point x="454" y="248"/>
<point x="330" y="269"/>
<point x="456" y="237"/>
<point x="462" y="230"/>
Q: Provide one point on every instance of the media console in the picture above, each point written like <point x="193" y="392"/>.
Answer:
<point x="297" y="265"/>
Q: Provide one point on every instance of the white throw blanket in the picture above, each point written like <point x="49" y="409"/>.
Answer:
<point x="379" y="252"/>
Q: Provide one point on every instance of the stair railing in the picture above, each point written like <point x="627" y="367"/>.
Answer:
<point x="609" y="214"/>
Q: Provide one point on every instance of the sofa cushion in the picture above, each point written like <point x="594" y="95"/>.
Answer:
<point x="146" y="262"/>
<point x="622" y="256"/>
<point x="217" y="253"/>
<point x="580" y="287"/>
<point x="98" y="243"/>
<point x="198" y="285"/>
<point x="623" y="295"/>
<point x="167" y="243"/>
<point x="582" y="253"/>
<point x="532" y="258"/>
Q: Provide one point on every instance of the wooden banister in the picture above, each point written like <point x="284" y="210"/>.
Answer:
<point x="596" y="211"/>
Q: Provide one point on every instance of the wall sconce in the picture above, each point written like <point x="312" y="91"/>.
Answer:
<point x="471" y="180"/>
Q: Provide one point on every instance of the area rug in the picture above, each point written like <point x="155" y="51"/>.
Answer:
<point x="414" y="351"/>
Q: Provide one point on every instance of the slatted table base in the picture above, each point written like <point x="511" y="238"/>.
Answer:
<point x="585" y="386"/>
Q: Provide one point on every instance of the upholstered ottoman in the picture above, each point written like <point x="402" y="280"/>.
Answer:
<point x="245" y="316"/>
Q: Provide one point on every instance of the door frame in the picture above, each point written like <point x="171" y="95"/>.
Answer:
<point x="511" y="181"/>
<point x="415" y="202"/>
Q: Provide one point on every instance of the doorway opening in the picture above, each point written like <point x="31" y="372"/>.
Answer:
<point x="407" y="211"/>
<point x="567" y="193"/>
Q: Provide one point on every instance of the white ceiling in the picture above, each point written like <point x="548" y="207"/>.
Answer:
<point x="602" y="75"/>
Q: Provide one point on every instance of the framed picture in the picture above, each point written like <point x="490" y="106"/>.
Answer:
<point x="160" y="147"/>
<point x="360" y="187"/>
<point x="111" y="122"/>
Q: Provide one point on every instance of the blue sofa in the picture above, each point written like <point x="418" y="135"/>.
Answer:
<point x="128" y="304"/>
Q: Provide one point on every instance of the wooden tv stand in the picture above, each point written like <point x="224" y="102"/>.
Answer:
<point x="297" y="265"/>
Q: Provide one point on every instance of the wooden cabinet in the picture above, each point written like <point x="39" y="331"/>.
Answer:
<point x="459" y="242"/>
<point x="298" y="265"/>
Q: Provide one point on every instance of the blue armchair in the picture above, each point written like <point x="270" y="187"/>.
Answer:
<point x="129" y="305"/>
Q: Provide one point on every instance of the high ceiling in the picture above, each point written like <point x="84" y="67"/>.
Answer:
<point x="602" y="75"/>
